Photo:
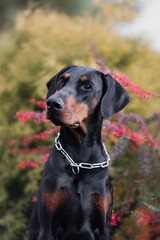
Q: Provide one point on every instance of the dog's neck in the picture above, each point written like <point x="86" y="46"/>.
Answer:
<point x="88" y="144"/>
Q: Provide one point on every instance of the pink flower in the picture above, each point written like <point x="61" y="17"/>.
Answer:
<point x="46" y="157"/>
<point x="28" y="163"/>
<point x="120" y="132"/>
<point x="115" y="218"/>
<point x="34" y="165"/>
<point x="37" y="116"/>
<point x="12" y="142"/>
<point x="34" y="199"/>
<point x="25" y="140"/>
<point x="22" y="165"/>
<point x="138" y="138"/>
<point x="32" y="100"/>
<point x="41" y="104"/>
<point x="24" y="151"/>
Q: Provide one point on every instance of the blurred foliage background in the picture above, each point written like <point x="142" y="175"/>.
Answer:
<point x="37" y="39"/>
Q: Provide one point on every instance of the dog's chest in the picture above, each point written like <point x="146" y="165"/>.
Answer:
<point x="72" y="193"/>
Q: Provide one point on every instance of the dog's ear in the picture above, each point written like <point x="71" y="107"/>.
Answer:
<point x="115" y="97"/>
<point x="53" y="81"/>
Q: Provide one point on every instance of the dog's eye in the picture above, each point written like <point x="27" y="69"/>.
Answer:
<point x="87" y="86"/>
<point x="61" y="80"/>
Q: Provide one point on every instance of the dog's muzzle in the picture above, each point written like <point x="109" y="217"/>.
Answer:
<point x="55" y="108"/>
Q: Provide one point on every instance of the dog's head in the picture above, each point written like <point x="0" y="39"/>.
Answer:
<point x="76" y="92"/>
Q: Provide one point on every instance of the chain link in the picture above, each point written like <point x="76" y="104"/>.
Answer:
<point x="76" y="166"/>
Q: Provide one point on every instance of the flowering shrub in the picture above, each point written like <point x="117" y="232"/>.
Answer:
<point x="122" y="79"/>
<point x="35" y="164"/>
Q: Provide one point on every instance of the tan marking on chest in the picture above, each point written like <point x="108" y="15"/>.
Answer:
<point x="102" y="203"/>
<point x="53" y="200"/>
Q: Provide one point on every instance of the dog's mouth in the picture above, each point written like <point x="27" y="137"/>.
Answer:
<point x="68" y="112"/>
<point x="75" y="125"/>
<point x="55" y="119"/>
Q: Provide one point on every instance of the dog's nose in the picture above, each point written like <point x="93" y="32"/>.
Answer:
<point x="55" y="103"/>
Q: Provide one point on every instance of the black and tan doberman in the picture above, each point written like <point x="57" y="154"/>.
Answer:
<point x="75" y="194"/>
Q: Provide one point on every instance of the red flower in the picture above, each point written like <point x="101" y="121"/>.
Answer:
<point x="25" y="140"/>
<point x="138" y="138"/>
<point x="115" y="218"/>
<point x="41" y="104"/>
<point x="22" y="165"/>
<point x="34" y="199"/>
<point x="33" y="165"/>
<point x="32" y="100"/>
<point x="120" y="132"/>
<point x="11" y="143"/>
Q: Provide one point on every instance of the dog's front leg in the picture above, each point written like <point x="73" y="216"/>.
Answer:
<point x="45" y="232"/>
<point x="34" y="225"/>
<point x="44" y="235"/>
<point x="40" y="224"/>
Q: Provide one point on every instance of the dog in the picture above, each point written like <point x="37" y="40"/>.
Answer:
<point x="75" y="194"/>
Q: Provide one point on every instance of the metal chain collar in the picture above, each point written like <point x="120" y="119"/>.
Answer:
<point x="84" y="165"/>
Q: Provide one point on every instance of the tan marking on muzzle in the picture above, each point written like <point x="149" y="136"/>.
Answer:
<point x="102" y="203"/>
<point x="53" y="200"/>
<point x="75" y="112"/>
<point x="84" y="78"/>
<point x="67" y="75"/>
